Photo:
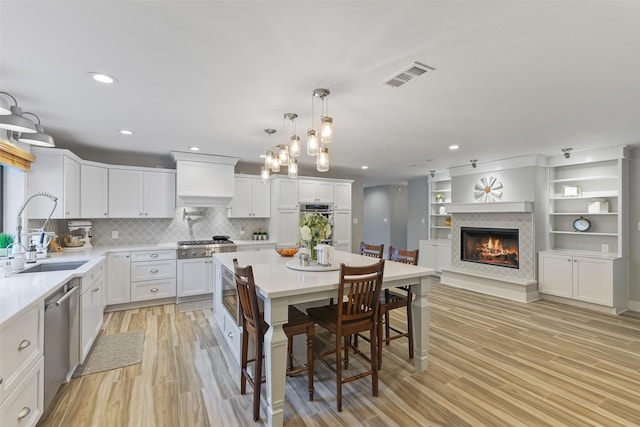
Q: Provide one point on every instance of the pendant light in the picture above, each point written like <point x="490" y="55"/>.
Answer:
<point x="294" y="142"/>
<point x="322" y="164"/>
<point x="312" y="142"/>
<point x="326" y="122"/>
<point x="39" y="138"/>
<point x="270" y="162"/>
<point x="15" y="121"/>
<point x="292" y="170"/>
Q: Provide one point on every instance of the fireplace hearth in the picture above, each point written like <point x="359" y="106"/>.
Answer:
<point x="492" y="246"/>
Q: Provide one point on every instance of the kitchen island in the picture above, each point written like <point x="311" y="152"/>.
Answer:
<point x="280" y="286"/>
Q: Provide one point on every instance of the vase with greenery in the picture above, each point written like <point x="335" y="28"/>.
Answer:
<point x="314" y="228"/>
<point x="5" y="241"/>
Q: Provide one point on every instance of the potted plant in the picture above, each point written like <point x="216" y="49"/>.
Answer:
<point x="5" y="241"/>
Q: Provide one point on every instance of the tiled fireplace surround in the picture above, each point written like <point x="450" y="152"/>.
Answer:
<point x="513" y="283"/>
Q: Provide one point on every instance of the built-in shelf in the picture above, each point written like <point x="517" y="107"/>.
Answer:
<point x="586" y="195"/>
<point x="582" y="213"/>
<point x="584" y="233"/>
<point x="439" y="184"/>
<point x="441" y="226"/>
<point x="583" y="179"/>
<point x="491" y="207"/>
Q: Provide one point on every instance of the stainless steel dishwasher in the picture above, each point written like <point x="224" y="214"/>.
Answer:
<point x="60" y="310"/>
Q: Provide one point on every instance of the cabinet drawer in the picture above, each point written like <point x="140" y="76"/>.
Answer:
<point x="92" y="275"/>
<point x="233" y="336"/>
<point x="153" y="270"/>
<point x="153" y="255"/>
<point x="153" y="289"/>
<point x="25" y="405"/>
<point x="22" y="344"/>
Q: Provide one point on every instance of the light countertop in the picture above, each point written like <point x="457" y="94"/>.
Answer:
<point x="274" y="279"/>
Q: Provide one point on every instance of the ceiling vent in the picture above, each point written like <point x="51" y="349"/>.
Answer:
<point x="407" y="74"/>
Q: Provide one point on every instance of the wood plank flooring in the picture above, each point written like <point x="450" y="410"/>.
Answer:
<point x="491" y="362"/>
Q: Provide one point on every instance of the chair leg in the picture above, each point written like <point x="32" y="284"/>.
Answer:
<point x="374" y="360"/>
<point x="310" y="333"/>
<point x="410" y="325"/>
<point x="379" y="346"/>
<point x="339" y="373"/>
<point x="346" y="352"/>
<point x="257" y="380"/>
<point x="290" y="353"/>
<point x="243" y="362"/>
<point x="387" y="331"/>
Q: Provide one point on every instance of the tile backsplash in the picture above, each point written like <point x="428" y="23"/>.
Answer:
<point x="214" y="221"/>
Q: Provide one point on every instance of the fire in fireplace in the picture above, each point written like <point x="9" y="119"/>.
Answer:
<point x="494" y="246"/>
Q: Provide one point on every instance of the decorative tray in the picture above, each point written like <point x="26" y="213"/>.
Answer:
<point x="313" y="266"/>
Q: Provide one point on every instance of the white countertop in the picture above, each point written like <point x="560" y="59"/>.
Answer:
<point x="274" y="279"/>
<point x="19" y="291"/>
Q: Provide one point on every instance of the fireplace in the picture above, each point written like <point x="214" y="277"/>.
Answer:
<point x="492" y="246"/>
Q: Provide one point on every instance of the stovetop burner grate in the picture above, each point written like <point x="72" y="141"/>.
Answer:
<point x="204" y="242"/>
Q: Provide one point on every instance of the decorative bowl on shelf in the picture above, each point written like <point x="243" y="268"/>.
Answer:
<point x="287" y="250"/>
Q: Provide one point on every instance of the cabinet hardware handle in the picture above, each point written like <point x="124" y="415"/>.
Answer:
<point x="96" y="289"/>
<point x="25" y="411"/>
<point x="230" y="334"/>
<point x="146" y="213"/>
<point x="140" y="213"/>
<point x="1" y="379"/>
<point x="24" y="344"/>
<point x="105" y="214"/>
<point x="154" y="289"/>
<point x="154" y="255"/>
<point x="154" y="270"/>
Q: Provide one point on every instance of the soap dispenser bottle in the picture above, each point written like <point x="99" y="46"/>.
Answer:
<point x="31" y="255"/>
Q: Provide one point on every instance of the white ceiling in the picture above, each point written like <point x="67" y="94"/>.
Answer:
<point x="511" y="78"/>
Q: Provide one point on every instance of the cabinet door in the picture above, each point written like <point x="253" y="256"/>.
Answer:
<point x="159" y="195"/>
<point x="342" y="196"/>
<point x="324" y="192"/>
<point x="240" y="205"/>
<point x="94" y="191"/>
<point x="118" y="278"/>
<point x="342" y="229"/>
<point x="126" y="188"/>
<point x="71" y="188"/>
<point x="555" y="275"/>
<point x="86" y="338"/>
<point x="307" y="191"/>
<point x="286" y="191"/>
<point x="443" y="255"/>
<point x="592" y="280"/>
<point x="260" y="199"/>
<point x="287" y="227"/>
<point x="96" y="305"/>
<point x="428" y="256"/>
<point x="194" y="277"/>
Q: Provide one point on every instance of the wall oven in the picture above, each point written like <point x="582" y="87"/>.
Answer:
<point x="230" y="295"/>
<point x="324" y="210"/>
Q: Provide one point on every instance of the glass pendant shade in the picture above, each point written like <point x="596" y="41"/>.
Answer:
<point x="283" y="156"/>
<point x="312" y="142"/>
<point x="275" y="165"/>
<point x="326" y="130"/>
<point x="17" y="122"/>
<point x="322" y="164"/>
<point x="294" y="148"/>
<point x="269" y="159"/>
<point x="293" y="168"/>
<point x="264" y="174"/>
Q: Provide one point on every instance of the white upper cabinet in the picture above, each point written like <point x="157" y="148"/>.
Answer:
<point x="312" y="191"/>
<point x="285" y="193"/>
<point x="252" y="198"/>
<point x="342" y="196"/>
<point x="56" y="172"/>
<point x="141" y="194"/>
<point x="94" y="191"/>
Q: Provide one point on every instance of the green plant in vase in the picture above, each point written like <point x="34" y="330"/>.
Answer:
<point x="313" y="229"/>
<point x="5" y="241"/>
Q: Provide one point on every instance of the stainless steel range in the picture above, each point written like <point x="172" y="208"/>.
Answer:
<point x="188" y="249"/>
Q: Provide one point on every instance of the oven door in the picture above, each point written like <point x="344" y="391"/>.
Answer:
<point x="230" y="295"/>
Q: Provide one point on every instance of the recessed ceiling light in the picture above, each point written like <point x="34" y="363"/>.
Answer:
<point x="454" y="147"/>
<point x="103" y="78"/>
<point x="194" y="148"/>
<point x="365" y="167"/>
<point x="126" y="132"/>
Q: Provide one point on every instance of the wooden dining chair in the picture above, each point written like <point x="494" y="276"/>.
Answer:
<point x="399" y="297"/>
<point x="254" y="325"/>
<point x="375" y="251"/>
<point x="358" y="312"/>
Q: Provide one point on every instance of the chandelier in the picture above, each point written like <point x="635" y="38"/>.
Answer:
<point x="283" y="154"/>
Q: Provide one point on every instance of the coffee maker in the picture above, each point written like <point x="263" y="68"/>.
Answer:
<point x="79" y="234"/>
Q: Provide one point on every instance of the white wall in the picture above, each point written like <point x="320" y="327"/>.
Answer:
<point x="417" y="212"/>
<point x="634" y="232"/>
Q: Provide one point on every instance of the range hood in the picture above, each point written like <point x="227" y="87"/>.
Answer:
<point x="204" y="180"/>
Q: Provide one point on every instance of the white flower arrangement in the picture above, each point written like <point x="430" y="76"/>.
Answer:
<point x="314" y="227"/>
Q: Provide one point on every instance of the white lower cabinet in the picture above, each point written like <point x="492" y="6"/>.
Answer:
<point x="195" y="276"/>
<point x="593" y="280"/>
<point x="22" y="367"/>
<point x="342" y="230"/>
<point x="435" y="254"/>
<point x="283" y="226"/>
<point x="91" y="308"/>
<point x="141" y="276"/>
<point x="25" y="405"/>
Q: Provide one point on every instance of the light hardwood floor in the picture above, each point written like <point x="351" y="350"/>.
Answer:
<point x="491" y="362"/>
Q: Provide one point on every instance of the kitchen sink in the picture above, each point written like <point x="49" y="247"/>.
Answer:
<point x="54" y="266"/>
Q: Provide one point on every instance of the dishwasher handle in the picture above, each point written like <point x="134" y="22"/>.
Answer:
<point x="62" y="298"/>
